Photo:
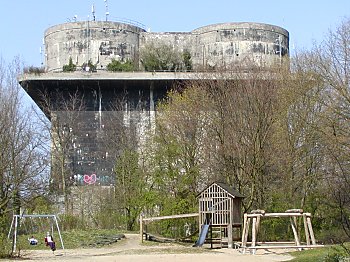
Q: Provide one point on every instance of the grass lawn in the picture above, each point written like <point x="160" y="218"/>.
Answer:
<point x="327" y="254"/>
<point x="72" y="239"/>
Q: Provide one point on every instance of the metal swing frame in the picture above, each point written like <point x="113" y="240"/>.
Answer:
<point x="14" y="224"/>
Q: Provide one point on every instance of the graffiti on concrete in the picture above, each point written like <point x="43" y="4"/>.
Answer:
<point x="90" y="179"/>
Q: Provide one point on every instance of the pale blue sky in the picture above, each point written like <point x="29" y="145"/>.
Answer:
<point x="23" y="22"/>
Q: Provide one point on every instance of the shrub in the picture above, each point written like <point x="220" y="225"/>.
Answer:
<point x="70" y="67"/>
<point x="89" y="66"/>
<point x="5" y="246"/>
<point x="34" y="70"/>
<point x="162" y="57"/>
<point x="186" y="55"/>
<point x="117" y="66"/>
<point x="70" y="222"/>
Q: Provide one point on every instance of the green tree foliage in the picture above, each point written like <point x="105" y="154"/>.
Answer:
<point x="70" y="67"/>
<point x="163" y="57"/>
<point x="330" y="61"/>
<point x="261" y="132"/>
<point x="181" y="144"/>
<point x="23" y="161"/>
<point x="117" y="66"/>
<point x="130" y="187"/>
<point x="187" y="60"/>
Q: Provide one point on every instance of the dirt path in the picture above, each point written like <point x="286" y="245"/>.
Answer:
<point x="130" y="249"/>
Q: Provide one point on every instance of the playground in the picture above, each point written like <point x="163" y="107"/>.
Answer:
<point x="130" y="249"/>
<point x="222" y="235"/>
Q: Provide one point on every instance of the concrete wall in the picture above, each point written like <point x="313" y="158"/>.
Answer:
<point x="99" y="42"/>
<point x="233" y="43"/>
<point x="210" y="46"/>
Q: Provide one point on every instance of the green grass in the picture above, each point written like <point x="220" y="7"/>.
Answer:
<point x="71" y="239"/>
<point x="326" y="254"/>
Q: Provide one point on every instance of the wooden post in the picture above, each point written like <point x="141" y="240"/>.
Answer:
<point x="295" y="232"/>
<point x="245" y="232"/>
<point x="307" y="235"/>
<point x="244" y="227"/>
<point x="308" y="219"/>
<point x="141" y="227"/>
<point x="229" y="235"/>
<point x="257" y="224"/>
<point x="254" y="234"/>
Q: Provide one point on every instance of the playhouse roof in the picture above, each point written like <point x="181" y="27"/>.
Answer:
<point x="230" y="190"/>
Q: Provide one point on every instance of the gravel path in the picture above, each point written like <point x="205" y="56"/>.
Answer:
<point x="130" y="249"/>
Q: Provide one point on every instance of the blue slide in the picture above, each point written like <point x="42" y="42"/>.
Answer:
<point x="202" y="236"/>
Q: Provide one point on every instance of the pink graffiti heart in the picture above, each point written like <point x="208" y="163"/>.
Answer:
<point x="90" y="179"/>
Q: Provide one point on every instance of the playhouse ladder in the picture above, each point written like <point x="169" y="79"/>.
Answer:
<point x="218" y="236"/>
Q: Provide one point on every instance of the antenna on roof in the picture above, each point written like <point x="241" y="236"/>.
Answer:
<point x="107" y="13"/>
<point x="93" y="12"/>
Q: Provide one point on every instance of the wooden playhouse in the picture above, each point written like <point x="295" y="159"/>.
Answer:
<point x="220" y="214"/>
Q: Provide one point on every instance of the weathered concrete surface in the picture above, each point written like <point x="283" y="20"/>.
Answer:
<point x="99" y="42"/>
<point x="210" y="46"/>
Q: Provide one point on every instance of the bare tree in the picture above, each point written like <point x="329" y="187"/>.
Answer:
<point x="65" y="113"/>
<point x="331" y="62"/>
<point x="181" y="134"/>
<point x="298" y="152"/>
<point x="124" y="132"/>
<point x="23" y="163"/>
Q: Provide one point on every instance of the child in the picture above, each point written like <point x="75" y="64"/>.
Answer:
<point x="33" y="241"/>
<point x="49" y="241"/>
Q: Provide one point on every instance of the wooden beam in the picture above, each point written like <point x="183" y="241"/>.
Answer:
<point x="307" y="235"/>
<point x="293" y="223"/>
<point x="229" y="236"/>
<point x="254" y="233"/>
<point x="313" y="240"/>
<point x="150" y="219"/>
<point x="271" y="242"/>
<point x="245" y="231"/>
<point x="281" y="247"/>
<point x="277" y="215"/>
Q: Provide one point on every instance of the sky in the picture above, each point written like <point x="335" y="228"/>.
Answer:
<point x="23" y="22"/>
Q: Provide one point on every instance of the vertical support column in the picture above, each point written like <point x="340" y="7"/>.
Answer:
<point x="211" y="236"/>
<point x="229" y="235"/>
<point x="245" y="232"/>
<point x="152" y="114"/>
<point x="254" y="234"/>
<point x="141" y="227"/>
<point x="15" y="235"/>
<point x="307" y="235"/>
<point x="258" y="218"/>
<point x="295" y="232"/>
<point x="59" y="231"/>
<point x="308" y="219"/>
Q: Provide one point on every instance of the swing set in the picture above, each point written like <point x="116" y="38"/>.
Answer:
<point x="16" y="224"/>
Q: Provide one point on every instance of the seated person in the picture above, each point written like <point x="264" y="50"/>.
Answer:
<point x="49" y="241"/>
<point x="33" y="241"/>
